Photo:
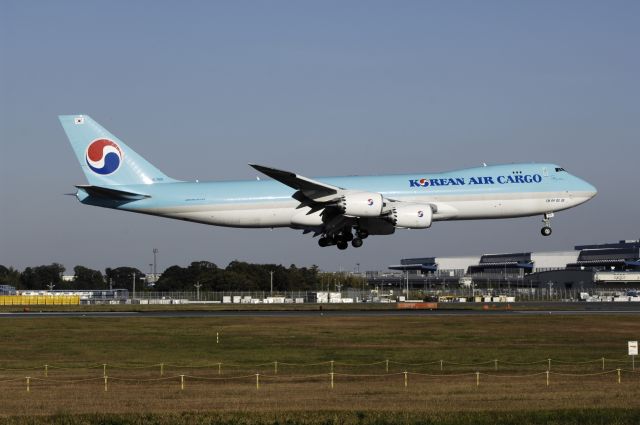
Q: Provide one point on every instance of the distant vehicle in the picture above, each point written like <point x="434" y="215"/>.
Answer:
<point x="337" y="209"/>
<point x="465" y="281"/>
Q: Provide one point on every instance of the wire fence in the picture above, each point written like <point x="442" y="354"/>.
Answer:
<point x="376" y="292"/>
<point x="330" y="380"/>
<point x="385" y="367"/>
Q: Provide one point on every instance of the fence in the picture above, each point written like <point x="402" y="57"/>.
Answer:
<point x="335" y="372"/>
<point x="384" y="293"/>
<point x="386" y="366"/>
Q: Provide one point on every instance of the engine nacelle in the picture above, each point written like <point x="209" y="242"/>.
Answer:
<point x="411" y="216"/>
<point x="361" y="204"/>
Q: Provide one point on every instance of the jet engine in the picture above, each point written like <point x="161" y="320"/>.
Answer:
<point x="411" y="216"/>
<point x="361" y="204"/>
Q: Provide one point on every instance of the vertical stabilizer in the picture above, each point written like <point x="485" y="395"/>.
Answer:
<point x="105" y="159"/>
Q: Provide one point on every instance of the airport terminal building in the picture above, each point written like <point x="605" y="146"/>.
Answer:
<point x="607" y="266"/>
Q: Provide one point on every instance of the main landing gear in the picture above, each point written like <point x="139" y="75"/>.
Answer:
<point x="546" y="230"/>
<point x="342" y="239"/>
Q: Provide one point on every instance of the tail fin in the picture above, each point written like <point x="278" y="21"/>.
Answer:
<point x="105" y="159"/>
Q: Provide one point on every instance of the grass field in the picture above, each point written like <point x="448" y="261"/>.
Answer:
<point x="364" y="392"/>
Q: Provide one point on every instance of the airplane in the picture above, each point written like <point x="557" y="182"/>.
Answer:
<point x="338" y="210"/>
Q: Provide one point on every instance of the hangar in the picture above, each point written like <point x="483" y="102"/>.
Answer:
<point x="608" y="265"/>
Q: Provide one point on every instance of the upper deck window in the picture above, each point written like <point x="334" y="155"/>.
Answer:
<point x="558" y="169"/>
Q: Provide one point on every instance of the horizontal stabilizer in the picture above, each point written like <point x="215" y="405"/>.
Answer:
<point x="108" y="193"/>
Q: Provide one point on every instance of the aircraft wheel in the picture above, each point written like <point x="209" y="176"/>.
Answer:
<point x="363" y="234"/>
<point x="356" y="242"/>
<point x="546" y="231"/>
<point x="345" y="235"/>
<point x="323" y="242"/>
<point x="342" y="245"/>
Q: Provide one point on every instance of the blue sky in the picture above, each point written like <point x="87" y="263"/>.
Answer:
<point x="322" y="88"/>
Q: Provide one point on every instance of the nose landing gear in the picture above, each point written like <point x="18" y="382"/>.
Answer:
<point x="546" y="230"/>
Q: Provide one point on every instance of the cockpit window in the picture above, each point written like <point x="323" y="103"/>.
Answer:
<point x="558" y="169"/>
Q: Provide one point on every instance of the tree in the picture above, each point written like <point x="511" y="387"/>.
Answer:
<point x="41" y="277"/>
<point x="86" y="278"/>
<point x="177" y="278"/>
<point x="9" y="276"/>
<point x="122" y="277"/>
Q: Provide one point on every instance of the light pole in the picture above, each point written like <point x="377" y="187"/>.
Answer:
<point x="155" y="264"/>
<point x="133" y="276"/>
<point x="271" y="278"/>
<point x="198" y="285"/>
<point x="505" y="273"/>
<point x="407" y="299"/>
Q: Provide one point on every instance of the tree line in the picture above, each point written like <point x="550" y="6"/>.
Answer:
<point x="236" y="276"/>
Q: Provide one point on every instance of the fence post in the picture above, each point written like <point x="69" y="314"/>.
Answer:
<point x="547" y="378"/>
<point x="603" y="363"/>
<point x="219" y="368"/>
<point x="257" y="381"/>
<point x="104" y="370"/>
<point x="405" y="379"/>
<point x="161" y="369"/>
<point x="549" y="363"/>
<point x="477" y="379"/>
<point x="441" y="362"/>
<point x="28" y="388"/>
<point x="618" y="375"/>
<point x="331" y="366"/>
<point x="105" y="383"/>
<point x="331" y="379"/>
<point x="275" y="367"/>
<point x="181" y="382"/>
<point x="387" y="367"/>
<point x="496" y="364"/>
<point x="46" y="370"/>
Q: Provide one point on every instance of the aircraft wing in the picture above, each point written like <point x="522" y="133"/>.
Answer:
<point x="341" y="210"/>
<point x="313" y="190"/>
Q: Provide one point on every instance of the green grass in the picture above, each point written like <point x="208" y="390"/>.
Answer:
<point x="29" y="342"/>
<point x="380" y="398"/>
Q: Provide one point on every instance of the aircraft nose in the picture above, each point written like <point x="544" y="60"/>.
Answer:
<point x="589" y="189"/>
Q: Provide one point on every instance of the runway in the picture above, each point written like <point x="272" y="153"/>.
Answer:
<point x="312" y="313"/>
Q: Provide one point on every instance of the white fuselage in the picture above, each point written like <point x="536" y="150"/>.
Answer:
<point x="268" y="203"/>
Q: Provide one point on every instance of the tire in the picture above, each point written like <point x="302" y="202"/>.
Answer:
<point x="323" y="242"/>
<point x="342" y="245"/>
<point x="356" y="242"/>
<point x="546" y="231"/>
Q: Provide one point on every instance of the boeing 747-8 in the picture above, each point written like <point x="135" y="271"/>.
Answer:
<point x="338" y="210"/>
